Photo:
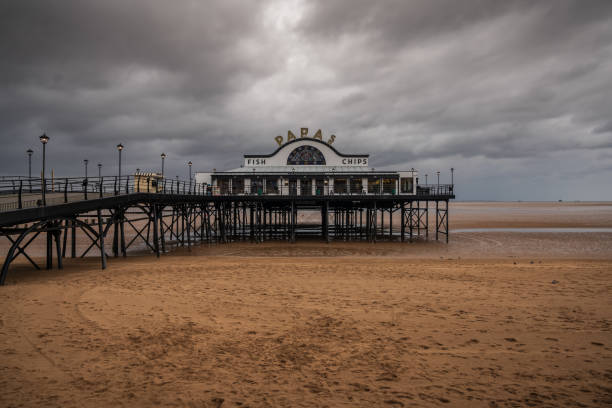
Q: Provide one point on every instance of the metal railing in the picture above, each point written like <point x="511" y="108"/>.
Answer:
<point x="27" y="193"/>
<point x="18" y="193"/>
<point x="436" y="189"/>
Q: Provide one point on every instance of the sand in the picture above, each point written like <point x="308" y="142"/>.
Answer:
<point x="491" y="319"/>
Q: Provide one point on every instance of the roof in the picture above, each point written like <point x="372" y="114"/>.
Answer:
<point x="310" y="139"/>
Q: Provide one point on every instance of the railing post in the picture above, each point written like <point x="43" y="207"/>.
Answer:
<point x="66" y="191"/>
<point x="20" y="187"/>
<point x="148" y="184"/>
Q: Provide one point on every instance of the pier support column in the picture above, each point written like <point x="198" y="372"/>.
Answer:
<point x="73" y="238"/>
<point x="293" y="220"/>
<point x="156" y="230"/>
<point x="426" y="219"/>
<point x="188" y="212"/>
<point x="162" y="231"/>
<point x="447" y="214"/>
<point x="116" y="233"/>
<point x="391" y="221"/>
<point x="411" y="221"/>
<point x="252" y="222"/>
<point x="375" y="223"/>
<point x="437" y="219"/>
<point x="101" y="239"/>
<point x="57" y="234"/>
<point x="122" y="232"/>
<point x="442" y="219"/>
<point x="49" y="247"/>
<point x="403" y="221"/>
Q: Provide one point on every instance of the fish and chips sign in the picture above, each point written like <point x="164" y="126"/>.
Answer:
<point x="304" y="134"/>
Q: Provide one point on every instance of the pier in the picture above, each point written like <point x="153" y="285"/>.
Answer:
<point x="113" y="214"/>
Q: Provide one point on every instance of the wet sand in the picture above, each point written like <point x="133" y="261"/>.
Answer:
<point x="491" y="319"/>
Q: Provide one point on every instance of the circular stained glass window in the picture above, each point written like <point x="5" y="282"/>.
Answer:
<point x="305" y="155"/>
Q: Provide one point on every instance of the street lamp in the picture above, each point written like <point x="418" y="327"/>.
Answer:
<point x="120" y="149"/>
<point x="44" y="139"/>
<point x="100" y="170"/>
<point x="190" y="164"/>
<point x="438" y="174"/>
<point x="163" y="156"/>
<point x="452" y="176"/>
<point x="425" y="179"/>
<point x="86" y="162"/>
<point x="29" y="152"/>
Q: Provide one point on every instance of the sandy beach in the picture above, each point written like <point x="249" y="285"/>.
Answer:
<point x="490" y="319"/>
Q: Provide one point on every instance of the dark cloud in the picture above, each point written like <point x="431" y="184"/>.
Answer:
<point x="503" y="89"/>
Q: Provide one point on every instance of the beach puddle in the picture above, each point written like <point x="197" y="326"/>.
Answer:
<point x="546" y="230"/>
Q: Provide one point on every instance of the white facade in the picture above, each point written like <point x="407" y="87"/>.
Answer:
<point x="332" y="158"/>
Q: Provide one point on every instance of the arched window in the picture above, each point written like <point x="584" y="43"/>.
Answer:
<point x="305" y="155"/>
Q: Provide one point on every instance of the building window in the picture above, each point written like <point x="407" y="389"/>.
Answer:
<point x="271" y="185"/>
<point x="356" y="186"/>
<point x="340" y="186"/>
<point x="407" y="185"/>
<point x="237" y="186"/>
<point x="374" y="185"/>
<point x="306" y="186"/>
<point x="256" y="186"/>
<point x="223" y="185"/>
<point x="305" y="155"/>
<point x="389" y="186"/>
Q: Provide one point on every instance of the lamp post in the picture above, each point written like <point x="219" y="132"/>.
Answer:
<point x="190" y="164"/>
<point x="44" y="139"/>
<point x="452" y="176"/>
<point x="29" y="152"/>
<point x="86" y="163"/>
<point x="425" y="179"/>
<point x="438" y="174"/>
<point x="99" y="170"/>
<point x="163" y="157"/>
<point x="120" y="149"/>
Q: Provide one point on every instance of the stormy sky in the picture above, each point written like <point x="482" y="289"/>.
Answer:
<point x="515" y="95"/>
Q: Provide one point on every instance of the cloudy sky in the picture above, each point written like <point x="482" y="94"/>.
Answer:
<point x="515" y="95"/>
